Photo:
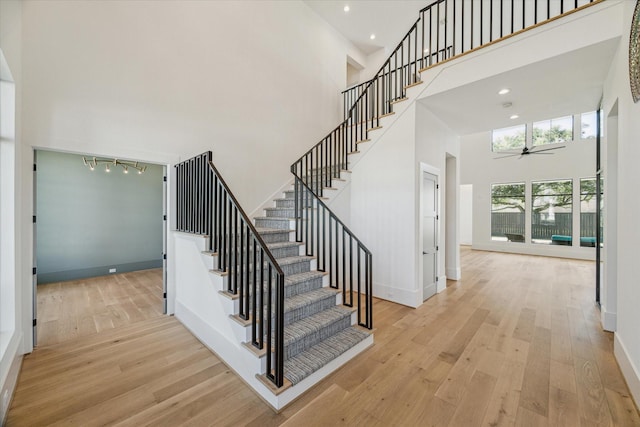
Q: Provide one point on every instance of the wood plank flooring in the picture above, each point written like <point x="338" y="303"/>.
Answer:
<point x="77" y="308"/>
<point x="517" y="341"/>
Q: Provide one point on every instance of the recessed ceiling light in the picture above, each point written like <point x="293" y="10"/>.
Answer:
<point x="372" y="36"/>
<point x="514" y="116"/>
<point x="346" y="8"/>
<point x="504" y="91"/>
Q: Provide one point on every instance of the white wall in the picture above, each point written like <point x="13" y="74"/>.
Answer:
<point x="627" y="338"/>
<point x="383" y="212"/>
<point x="481" y="168"/>
<point x="466" y="214"/>
<point x="163" y="81"/>
<point x="14" y="291"/>
<point x="160" y="82"/>
<point x="434" y="141"/>
<point x="167" y="80"/>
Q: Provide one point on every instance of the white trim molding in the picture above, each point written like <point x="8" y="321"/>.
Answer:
<point x="629" y="370"/>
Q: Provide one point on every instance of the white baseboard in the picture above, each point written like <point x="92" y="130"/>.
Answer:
<point x="608" y="319"/>
<point x="454" y="273"/>
<point x="557" y="251"/>
<point x="442" y="284"/>
<point x="11" y="362"/>
<point x="411" y="298"/>
<point x="629" y="370"/>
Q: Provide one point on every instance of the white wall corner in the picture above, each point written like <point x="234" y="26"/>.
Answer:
<point x="454" y="273"/>
<point x="608" y="320"/>
<point x="629" y="370"/>
<point x="410" y="298"/>
<point x="442" y="284"/>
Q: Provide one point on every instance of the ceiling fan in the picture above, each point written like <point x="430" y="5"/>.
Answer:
<point x="526" y="151"/>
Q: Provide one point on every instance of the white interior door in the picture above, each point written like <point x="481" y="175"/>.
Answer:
<point x="429" y="234"/>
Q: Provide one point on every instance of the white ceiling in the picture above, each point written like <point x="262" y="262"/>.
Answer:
<point x="560" y="86"/>
<point x="388" y="20"/>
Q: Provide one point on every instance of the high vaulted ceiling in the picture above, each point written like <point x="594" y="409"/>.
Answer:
<point x="388" y="20"/>
<point x="559" y="86"/>
<point x="568" y="84"/>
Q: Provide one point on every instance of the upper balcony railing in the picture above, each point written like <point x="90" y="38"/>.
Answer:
<point x="449" y="28"/>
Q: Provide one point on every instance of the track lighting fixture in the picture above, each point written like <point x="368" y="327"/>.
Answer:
<point x="94" y="162"/>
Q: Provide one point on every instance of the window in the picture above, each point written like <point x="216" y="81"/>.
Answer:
<point x="551" y="213"/>
<point x="589" y="123"/>
<point x="507" y="212"/>
<point x="588" y="212"/>
<point x="553" y="131"/>
<point x="512" y="138"/>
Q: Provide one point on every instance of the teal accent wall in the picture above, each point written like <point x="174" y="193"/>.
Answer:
<point x="91" y="221"/>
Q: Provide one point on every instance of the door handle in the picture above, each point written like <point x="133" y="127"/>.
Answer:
<point x="425" y="253"/>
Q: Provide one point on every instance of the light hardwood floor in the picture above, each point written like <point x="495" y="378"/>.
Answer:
<point x="73" y="309"/>
<point x="516" y="342"/>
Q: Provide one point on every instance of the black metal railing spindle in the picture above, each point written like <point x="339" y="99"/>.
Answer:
<point x="206" y="206"/>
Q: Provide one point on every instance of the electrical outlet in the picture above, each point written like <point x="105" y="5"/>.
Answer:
<point x="112" y="270"/>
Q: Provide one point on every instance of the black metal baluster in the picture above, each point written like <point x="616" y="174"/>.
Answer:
<point x="269" y="324"/>
<point x="358" y="285"/>
<point x="223" y="249"/>
<point x="244" y="304"/>
<point x="261" y="306"/>
<point x="351" y="269"/>
<point x="369" y="295"/>
<point x="336" y="280"/>
<point x="462" y="50"/>
<point x="234" y="266"/>
<point x="548" y="9"/>
<point x="501" y="18"/>
<point x="438" y="31"/>
<point x="254" y="301"/>
<point x="446" y="27"/>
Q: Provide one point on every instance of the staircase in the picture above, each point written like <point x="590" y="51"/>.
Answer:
<point x="271" y="310"/>
<point x="318" y="328"/>
<point x="288" y="298"/>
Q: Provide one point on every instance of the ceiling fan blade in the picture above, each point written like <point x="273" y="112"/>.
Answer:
<point x="509" y="155"/>
<point x="546" y="149"/>
<point x="538" y="152"/>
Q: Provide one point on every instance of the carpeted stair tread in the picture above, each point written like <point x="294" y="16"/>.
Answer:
<point x="271" y="218"/>
<point x="279" y="245"/>
<point x="307" y="298"/>
<point x="304" y="364"/>
<point x="307" y="304"/>
<point x="265" y="230"/>
<point x="313" y="324"/>
<point x="294" y="259"/>
<point x="295" y="284"/>
<point x="303" y="277"/>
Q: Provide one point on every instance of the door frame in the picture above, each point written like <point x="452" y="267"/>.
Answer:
<point x="440" y="281"/>
<point x="167" y="308"/>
